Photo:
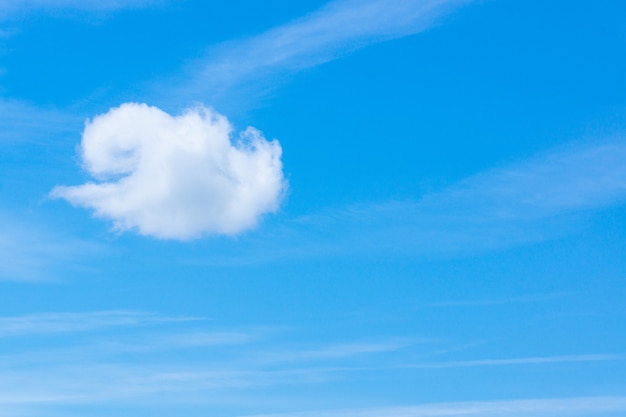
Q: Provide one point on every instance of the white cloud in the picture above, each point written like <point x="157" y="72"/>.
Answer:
<point x="176" y="177"/>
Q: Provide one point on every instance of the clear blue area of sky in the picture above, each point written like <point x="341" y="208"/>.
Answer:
<point x="356" y="294"/>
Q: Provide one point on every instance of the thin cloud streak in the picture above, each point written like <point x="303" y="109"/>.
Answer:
<point x="34" y="252"/>
<point x="94" y="360"/>
<point x="51" y="323"/>
<point x="100" y="383"/>
<point x="92" y="382"/>
<point x="536" y="360"/>
<point x="73" y="377"/>
<point x="506" y="206"/>
<point x="539" y="360"/>
<point x="330" y="353"/>
<point x="539" y="407"/>
<point x="97" y="362"/>
<point x="31" y="254"/>
<point x="527" y="202"/>
<point x="25" y="123"/>
<point x="334" y="30"/>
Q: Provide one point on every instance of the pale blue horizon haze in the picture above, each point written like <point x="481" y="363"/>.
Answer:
<point x="345" y="208"/>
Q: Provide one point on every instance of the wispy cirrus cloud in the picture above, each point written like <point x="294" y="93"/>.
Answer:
<point x="31" y="253"/>
<point x="78" y="379"/>
<point x="535" y="407"/>
<point x="52" y="323"/>
<point x="521" y="203"/>
<point x="538" y="360"/>
<point x="330" y="353"/>
<point x="23" y="122"/>
<point x="89" y="360"/>
<point x="341" y="26"/>
<point x="509" y="205"/>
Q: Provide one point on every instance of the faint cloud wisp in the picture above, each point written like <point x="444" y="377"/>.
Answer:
<point x="336" y="29"/>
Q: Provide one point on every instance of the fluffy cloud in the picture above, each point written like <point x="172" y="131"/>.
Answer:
<point x="176" y="177"/>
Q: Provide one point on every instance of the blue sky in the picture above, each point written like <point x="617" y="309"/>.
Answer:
<point x="375" y="208"/>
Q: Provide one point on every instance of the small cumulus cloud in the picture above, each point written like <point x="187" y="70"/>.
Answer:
<point x="176" y="177"/>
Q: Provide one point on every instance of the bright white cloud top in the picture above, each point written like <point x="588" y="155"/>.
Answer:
<point x="176" y="177"/>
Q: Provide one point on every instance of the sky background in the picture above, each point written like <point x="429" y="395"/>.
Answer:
<point x="427" y="218"/>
